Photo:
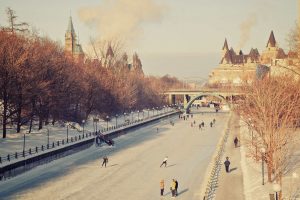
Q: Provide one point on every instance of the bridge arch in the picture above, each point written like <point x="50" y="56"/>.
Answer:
<point x="189" y="104"/>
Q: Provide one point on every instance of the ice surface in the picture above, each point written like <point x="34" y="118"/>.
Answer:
<point x="133" y="170"/>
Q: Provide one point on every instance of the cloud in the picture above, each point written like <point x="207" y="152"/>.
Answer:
<point x="121" y="19"/>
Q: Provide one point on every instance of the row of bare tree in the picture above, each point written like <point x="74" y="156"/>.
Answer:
<point x="271" y="110"/>
<point x="39" y="82"/>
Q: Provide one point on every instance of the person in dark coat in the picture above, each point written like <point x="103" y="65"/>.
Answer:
<point x="176" y="187"/>
<point x="227" y="163"/>
<point x="211" y="124"/>
<point x="236" y="141"/>
<point x="105" y="161"/>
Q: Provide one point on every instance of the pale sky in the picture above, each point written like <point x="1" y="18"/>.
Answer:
<point x="183" y="40"/>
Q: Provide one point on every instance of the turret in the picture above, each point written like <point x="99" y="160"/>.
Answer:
<point x="225" y="48"/>
<point x="271" y="41"/>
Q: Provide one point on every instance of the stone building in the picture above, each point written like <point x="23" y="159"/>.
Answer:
<point x="109" y="60"/>
<point x="234" y="68"/>
<point x="72" y="46"/>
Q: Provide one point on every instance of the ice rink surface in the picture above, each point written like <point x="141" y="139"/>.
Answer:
<point x="133" y="171"/>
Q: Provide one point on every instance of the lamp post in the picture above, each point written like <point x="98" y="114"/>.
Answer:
<point x="153" y="111"/>
<point x="138" y="115"/>
<point x="148" y="112"/>
<point x="276" y="188"/>
<point x="124" y="117"/>
<point x="83" y="121"/>
<point x="47" y="138"/>
<point x="263" y="151"/>
<point x="24" y="146"/>
<point x="67" y="133"/>
<point x="143" y="114"/>
<point x="131" y="116"/>
<point x="96" y="120"/>
<point x="116" y="120"/>
<point x="107" y="117"/>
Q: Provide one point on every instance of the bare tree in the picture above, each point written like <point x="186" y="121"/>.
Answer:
<point x="271" y="108"/>
<point x="13" y="26"/>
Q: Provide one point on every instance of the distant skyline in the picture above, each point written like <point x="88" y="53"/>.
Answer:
<point x="179" y="38"/>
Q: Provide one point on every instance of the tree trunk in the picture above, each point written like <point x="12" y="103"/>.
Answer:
<point x="47" y="117"/>
<point x="280" y="182"/>
<point x="19" y="112"/>
<point x="4" y="121"/>
<point x="53" y="120"/>
<point x="40" y="116"/>
<point x="32" y="114"/>
<point x="269" y="166"/>
<point x="30" y="124"/>
<point x="40" y="122"/>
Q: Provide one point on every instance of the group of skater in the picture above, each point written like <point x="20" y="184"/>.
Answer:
<point x="202" y="124"/>
<point x="185" y="116"/>
<point x="174" y="183"/>
<point x="173" y="188"/>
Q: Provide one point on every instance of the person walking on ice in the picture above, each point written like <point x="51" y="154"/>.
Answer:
<point x="105" y="161"/>
<point x="162" y="187"/>
<point x="164" y="161"/>
<point x="227" y="163"/>
<point x="176" y="187"/>
<point x="173" y="188"/>
<point x="236" y="141"/>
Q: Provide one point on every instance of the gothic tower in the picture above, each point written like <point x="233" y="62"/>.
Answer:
<point x="70" y="38"/>
<point x="72" y="48"/>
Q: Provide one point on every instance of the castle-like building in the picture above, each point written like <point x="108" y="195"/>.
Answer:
<point x="109" y="60"/>
<point x="72" y="46"/>
<point x="234" y="68"/>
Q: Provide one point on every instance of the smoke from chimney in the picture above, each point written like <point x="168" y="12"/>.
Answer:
<point x="245" y="29"/>
<point x="121" y="19"/>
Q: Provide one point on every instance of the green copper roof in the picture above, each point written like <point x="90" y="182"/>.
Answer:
<point x="78" y="49"/>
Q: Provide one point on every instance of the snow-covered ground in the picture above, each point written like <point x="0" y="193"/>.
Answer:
<point x="14" y="141"/>
<point x="133" y="170"/>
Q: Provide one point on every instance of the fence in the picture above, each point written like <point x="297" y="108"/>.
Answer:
<point x="215" y="172"/>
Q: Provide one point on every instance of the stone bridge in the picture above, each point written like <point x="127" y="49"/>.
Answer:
<point x="226" y="96"/>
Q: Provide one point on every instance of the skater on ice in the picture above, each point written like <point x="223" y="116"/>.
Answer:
<point x="105" y="161"/>
<point x="164" y="161"/>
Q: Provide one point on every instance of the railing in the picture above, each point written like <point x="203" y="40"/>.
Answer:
<point x="207" y="89"/>
<point x="215" y="172"/>
<point x="42" y="148"/>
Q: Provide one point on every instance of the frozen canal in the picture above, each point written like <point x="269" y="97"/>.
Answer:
<point x="133" y="171"/>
